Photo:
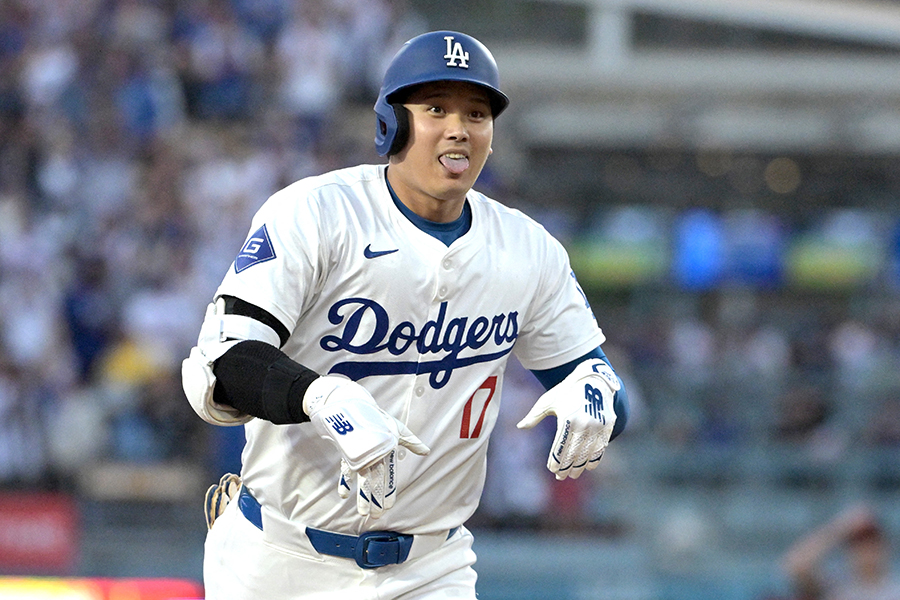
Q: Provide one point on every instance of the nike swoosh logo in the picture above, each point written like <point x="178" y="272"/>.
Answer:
<point x="369" y="253"/>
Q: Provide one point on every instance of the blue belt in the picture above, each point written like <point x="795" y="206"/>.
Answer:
<point x="370" y="550"/>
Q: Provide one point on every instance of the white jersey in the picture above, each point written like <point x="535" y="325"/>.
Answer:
<point x="426" y="328"/>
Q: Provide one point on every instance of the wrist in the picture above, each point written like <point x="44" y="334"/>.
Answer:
<point x="317" y="393"/>
<point x="601" y="369"/>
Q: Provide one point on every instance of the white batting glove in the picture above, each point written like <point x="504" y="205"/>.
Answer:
<point x="583" y="405"/>
<point x="344" y="412"/>
<point x="375" y="484"/>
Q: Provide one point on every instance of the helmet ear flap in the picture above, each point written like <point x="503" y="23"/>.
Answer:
<point x="401" y="115"/>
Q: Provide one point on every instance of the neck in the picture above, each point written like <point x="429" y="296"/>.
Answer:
<point x="434" y="209"/>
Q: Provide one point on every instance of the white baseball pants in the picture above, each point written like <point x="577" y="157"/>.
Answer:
<point x="239" y="564"/>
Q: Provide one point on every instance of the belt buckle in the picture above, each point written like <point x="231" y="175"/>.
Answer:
<point x="389" y="551"/>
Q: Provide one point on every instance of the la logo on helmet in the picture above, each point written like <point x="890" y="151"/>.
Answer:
<point x="456" y="53"/>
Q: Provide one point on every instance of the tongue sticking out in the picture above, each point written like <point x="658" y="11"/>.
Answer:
<point x="455" y="165"/>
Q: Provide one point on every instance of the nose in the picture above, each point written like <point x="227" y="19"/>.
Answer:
<point x="456" y="128"/>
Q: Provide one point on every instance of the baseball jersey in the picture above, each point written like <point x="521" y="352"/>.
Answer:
<point x="426" y="328"/>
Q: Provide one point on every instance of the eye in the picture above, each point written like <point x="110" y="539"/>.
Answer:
<point x="477" y="115"/>
<point x="435" y="109"/>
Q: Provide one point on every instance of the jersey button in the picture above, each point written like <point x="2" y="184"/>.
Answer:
<point x="448" y="264"/>
<point x="420" y="391"/>
<point x="401" y="453"/>
<point x="442" y="293"/>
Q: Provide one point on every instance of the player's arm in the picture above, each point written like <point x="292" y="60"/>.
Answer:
<point x="582" y="395"/>
<point x="220" y="332"/>
<point x="236" y="372"/>
<point x="254" y="376"/>
<point x="550" y="378"/>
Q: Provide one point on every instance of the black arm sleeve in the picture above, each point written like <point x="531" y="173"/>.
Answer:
<point x="259" y="379"/>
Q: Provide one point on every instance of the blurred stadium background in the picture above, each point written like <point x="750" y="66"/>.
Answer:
<point x="724" y="174"/>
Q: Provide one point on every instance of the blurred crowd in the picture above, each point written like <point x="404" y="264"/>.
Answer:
<point x="138" y="137"/>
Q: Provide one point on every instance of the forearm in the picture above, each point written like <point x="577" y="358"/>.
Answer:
<point x="260" y="380"/>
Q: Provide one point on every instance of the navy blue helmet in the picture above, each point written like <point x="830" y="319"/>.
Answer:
<point x="433" y="56"/>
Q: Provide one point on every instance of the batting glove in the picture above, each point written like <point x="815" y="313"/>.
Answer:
<point x="583" y="406"/>
<point x="343" y="412"/>
<point x="219" y="495"/>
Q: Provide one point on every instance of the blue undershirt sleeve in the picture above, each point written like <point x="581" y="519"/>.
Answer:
<point x="551" y="377"/>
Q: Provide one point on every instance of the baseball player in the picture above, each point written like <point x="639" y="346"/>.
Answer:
<point x="360" y="337"/>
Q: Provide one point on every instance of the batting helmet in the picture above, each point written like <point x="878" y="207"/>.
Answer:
<point x="434" y="56"/>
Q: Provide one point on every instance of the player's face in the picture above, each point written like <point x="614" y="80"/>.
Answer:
<point x="451" y="129"/>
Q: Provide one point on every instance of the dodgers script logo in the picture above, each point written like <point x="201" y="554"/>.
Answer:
<point x="456" y="56"/>
<point x="453" y="342"/>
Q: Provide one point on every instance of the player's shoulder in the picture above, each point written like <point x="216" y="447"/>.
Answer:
<point x="333" y="182"/>
<point x="507" y="219"/>
<point x="325" y="194"/>
<point x="510" y="231"/>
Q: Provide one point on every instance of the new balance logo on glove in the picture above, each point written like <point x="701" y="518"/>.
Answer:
<point x="594" y="404"/>
<point x="340" y="424"/>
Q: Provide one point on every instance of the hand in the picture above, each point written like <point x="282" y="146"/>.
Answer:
<point x="375" y="486"/>
<point x="583" y="405"/>
<point x="344" y="413"/>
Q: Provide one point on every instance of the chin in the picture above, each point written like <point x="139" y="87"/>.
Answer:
<point x="463" y="181"/>
<point x="454" y="191"/>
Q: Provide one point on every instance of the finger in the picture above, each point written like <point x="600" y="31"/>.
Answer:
<point x="410" y="440"/>
<point x="560" y="465"/>
<point x="414" y="445"/>
<point x="576" y="470"/>
<point x="370" y="501"/>
<point x="579" y="452"/>
<point x="558" y="460"/>
<point x="594" y="462"/>
<point x="377" y="484"/>
<point x="344" y="480"/>
<point x="578" y="465"/>
<point x="537" y="413"/>
<point x="557" y="467"/>
<point x="562" y="471"/>
<point x="390" y="486"/>
<point x="362" y="495"/>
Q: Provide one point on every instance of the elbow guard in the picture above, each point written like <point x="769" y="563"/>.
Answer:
<point x="217" y="336"/>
